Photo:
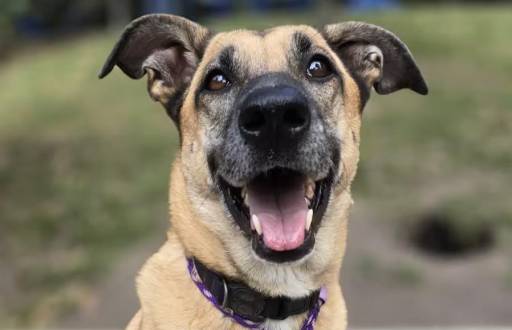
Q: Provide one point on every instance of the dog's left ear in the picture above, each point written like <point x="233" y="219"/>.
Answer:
<point x="375" y="56"/>
<point x="167" y="48"/>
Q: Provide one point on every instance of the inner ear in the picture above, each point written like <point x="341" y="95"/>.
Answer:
<point x="364" y="61"/>
<point x="374" y="57"/>
<point x="169" y="70"/>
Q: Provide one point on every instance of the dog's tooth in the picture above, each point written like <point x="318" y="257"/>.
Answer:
<point x="309" y="189"/>
<point x="309" y="219"/>
<point x="245" y="197"/>
<point x="256" y="223"/>
<point x="308" y="202"/>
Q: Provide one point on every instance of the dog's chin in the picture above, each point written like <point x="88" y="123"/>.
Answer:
<point x="279" y="211"/>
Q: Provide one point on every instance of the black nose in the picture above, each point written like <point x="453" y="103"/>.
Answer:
<point x="274" y="117"/>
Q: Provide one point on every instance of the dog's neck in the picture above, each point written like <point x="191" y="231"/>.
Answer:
<point x="193" y="241"/>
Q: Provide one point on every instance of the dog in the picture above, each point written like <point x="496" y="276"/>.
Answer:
<point x="269" y="124"/>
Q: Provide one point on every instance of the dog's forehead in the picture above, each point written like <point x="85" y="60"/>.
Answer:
<point x="266" y="50"/>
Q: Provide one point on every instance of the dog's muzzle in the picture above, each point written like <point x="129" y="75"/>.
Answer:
<point x="276" y="167"/>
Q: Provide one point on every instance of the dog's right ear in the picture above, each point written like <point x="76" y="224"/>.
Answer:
<point x="167" y="48"/>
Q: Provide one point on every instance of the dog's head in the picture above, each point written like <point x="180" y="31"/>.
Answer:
<point x="269" y="124"/>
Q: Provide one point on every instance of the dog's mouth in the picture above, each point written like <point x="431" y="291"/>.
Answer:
<point x="280" y="210"/>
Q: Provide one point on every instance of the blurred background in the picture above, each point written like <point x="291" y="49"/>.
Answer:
<point x="84" y="163"/>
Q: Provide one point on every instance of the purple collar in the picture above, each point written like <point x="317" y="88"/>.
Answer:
<point x="308" y="324"/>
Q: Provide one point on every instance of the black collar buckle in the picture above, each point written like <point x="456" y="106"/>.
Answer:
<point x="245" y="301"/>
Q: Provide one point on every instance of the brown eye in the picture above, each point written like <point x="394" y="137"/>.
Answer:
<point x="217" y="81"/>
<point x="318" y="68"/>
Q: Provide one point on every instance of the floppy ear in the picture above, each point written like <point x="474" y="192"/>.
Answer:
<point x="167" y="48"/>
<point x="375" y="56"/>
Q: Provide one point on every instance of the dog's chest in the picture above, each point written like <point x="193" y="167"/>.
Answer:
<point x="288" y="324"/>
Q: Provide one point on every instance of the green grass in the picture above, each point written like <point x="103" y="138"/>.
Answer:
<point x="84" y="163"/>
<point x="83" y="169"/>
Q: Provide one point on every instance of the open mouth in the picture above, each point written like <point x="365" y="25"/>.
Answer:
<point x="280" y="210"/>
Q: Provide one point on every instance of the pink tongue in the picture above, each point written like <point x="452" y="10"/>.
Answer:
<point x="281" y="210"/>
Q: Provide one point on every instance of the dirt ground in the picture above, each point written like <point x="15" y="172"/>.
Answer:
<point x="385" y="283"/>
<point x="409" y="288"/>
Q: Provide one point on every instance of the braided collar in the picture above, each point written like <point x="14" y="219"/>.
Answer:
<point x="248" y="307"/>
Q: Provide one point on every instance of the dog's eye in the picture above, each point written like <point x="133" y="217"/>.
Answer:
<point x="318" y="67"/>
<point x="216" y="81"/>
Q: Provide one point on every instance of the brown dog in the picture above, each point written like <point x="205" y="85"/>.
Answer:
<point x="269" y="126"/>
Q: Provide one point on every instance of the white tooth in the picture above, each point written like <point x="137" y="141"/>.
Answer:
<point x="246" y="199"/>
<point x="308" y="202"/>
<point x="309" y="189"/>
<point x="309" y="219"/>
<point x="256" y="223"/>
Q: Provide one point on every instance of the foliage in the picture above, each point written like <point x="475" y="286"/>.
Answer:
<point x="9" y="10"/>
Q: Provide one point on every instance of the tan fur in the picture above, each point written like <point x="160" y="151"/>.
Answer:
<point x="157" y="89"/>
<point x="200" y="227"/>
